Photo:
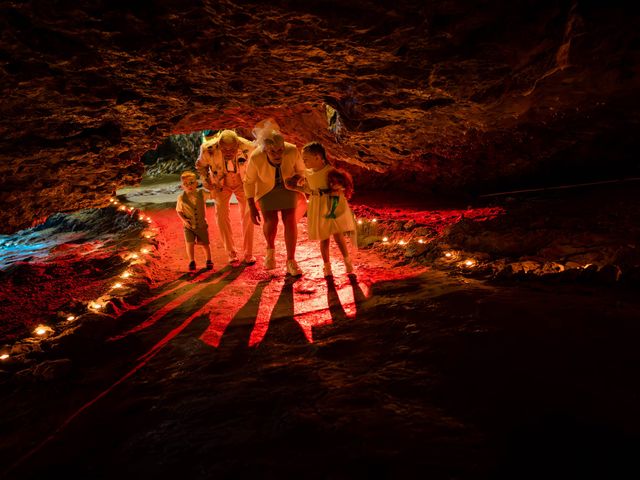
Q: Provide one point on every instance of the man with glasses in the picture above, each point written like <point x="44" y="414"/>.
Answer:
<point x="221" y="165"/>
<point x="267" y="184"/>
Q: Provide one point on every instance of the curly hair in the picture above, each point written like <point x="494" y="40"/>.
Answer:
<point x="343" y="178"/>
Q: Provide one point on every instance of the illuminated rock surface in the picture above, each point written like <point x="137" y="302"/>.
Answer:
<point x="417" y="368"/>
<point x="455" y="95"/>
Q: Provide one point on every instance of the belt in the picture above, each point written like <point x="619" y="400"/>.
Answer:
<point x="321" y="191"/>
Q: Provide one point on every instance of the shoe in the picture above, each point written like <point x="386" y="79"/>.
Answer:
<point x="209" y="265"/>
<point x="269" y="259"/>
<point x="326" y="269"/>
<point x="292" y="268"/>
<point x="249" y="260"/>
<point x="192" y="265"/>
<point x="233" y="257"/>
<point x="348" y="266"/>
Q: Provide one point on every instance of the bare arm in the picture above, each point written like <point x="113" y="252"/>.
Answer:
<point x="249" y="185"/>
<point x="185" y="221"/>
<point x="202" y="167"/>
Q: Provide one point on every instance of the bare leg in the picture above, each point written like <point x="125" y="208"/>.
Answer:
<point x="324" y="250"/>
<point x="342" y="244"/>
<point x="290" y="232"/>
<point x="270" y="227"/>
<point x="190" y="251"/>
<point x="207" y="251"/>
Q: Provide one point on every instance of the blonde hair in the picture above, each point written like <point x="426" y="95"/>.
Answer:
<point x="188" y="174"/>
<point x="228" y="136"/>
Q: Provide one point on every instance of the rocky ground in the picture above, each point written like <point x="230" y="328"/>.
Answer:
<point x="420" y="366"/>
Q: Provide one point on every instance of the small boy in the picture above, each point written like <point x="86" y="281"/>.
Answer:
<point x="191" y="209"/>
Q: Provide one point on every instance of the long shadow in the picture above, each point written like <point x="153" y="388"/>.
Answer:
<point x="117" y="359"/>
<point x="235" y="339"/>
<point x="283" y="328"/>
<point x="175" y="317"/>
<point x="117" y="362"/>
<point x="164" y="296"/>
<point x="358" y="294"/>
<point x="333" y="300"/>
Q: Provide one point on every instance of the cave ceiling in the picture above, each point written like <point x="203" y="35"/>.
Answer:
<point x="431" y="96"/>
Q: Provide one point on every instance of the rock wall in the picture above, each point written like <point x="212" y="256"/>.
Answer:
<point x="430" y="95"/>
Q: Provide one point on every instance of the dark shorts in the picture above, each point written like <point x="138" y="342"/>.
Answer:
<point x="200" y="235"/>
<point x="278" y="199"/>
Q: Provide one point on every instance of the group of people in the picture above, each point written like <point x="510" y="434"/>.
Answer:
<point x="267" y="176"/>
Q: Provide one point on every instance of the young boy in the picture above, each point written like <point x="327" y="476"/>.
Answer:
<point x="191" y="209"/>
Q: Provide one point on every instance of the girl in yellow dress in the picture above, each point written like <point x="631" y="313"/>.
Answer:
<point x="328" y="212"/>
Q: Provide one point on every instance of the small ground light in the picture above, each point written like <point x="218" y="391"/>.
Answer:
<point x="359" y="221"/>
<point x="421" y="241"/>
<point x="134" y="255"/>
<point x="41" y="330"/>
<point x="468" y="263"/>
<point x="95" y="305"/>
<point x="373" y="220"/>
<point x="111" y="200"/>
<point x="117" y="285"/>
<point x="126" y="274"/>
<point x="122" y="207"/>
<point x="402" y="242"/>
<point x="448" y="254"/>
<point x="144" y="250"/>
<point x="385" y="239"/>
<point x="71" y="318"/>
<point x="4" y="356"/>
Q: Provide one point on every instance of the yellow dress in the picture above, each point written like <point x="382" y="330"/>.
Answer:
<point x="327" y="212"/>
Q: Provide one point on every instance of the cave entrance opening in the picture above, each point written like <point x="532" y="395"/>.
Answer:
<point x="160" y="183"/>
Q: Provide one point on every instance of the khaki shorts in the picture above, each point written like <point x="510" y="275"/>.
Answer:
<point x="200" y="235"/>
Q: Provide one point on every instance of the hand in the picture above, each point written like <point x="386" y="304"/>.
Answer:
<point x="293" y="181"/>
<point x="255" y="214"/>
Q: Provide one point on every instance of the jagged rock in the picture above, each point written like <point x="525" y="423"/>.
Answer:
<point x="414" y="250"/>
<point x="589" y="274"/>
<point x="409" y="225"/>
<point x="95" y="326"/>
<point x="52" y="369"/>
<point x="419" y="96"/>
<point x="25" y="348"/>
<point x="551" y="268"/>
<point x="524" y="267"/>
<point x="609" y="274"/>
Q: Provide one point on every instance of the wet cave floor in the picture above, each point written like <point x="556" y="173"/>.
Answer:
<point x="402" y="371"/>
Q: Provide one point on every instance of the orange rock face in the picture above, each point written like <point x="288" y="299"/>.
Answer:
<point x="410" y="95"/>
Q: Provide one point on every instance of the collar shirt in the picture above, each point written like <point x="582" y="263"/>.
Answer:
<point x="260" y="176"/>
<point x="211" y="163"/>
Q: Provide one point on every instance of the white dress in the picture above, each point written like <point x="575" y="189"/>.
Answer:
<point x="327" y="213"/>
